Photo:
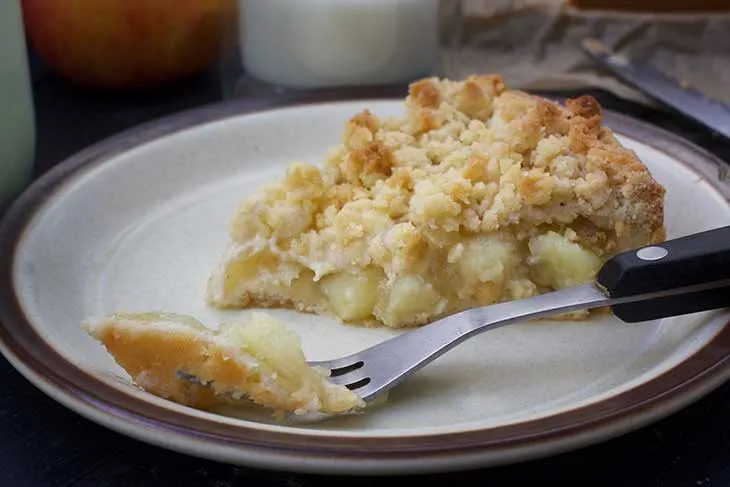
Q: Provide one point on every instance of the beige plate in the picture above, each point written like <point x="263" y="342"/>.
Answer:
<point x="137" y="222"/>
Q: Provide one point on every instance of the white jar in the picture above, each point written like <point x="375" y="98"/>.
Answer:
<point x="328" y="43"/>
<point x="17" y="123"/>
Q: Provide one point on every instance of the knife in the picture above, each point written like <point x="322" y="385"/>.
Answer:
<point x="661" y="87"/>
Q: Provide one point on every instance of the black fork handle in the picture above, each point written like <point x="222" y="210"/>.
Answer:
<point x="695" y="259"/>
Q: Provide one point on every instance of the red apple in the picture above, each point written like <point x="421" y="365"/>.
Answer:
<point x="125" y="44"/>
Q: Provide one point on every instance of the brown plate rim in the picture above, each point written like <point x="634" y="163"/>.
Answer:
<point x="176" y="429"/>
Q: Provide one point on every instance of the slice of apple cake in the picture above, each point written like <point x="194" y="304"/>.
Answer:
<point x="476" y="195"/>
<point x="256" y="359"/>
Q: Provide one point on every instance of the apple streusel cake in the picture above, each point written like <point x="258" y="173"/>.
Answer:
<point x="477" y="194"/>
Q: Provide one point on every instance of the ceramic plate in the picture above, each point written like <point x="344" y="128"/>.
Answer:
<point x="138" y="222"/>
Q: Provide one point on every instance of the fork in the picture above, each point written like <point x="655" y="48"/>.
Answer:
<point x="680" y="276"/>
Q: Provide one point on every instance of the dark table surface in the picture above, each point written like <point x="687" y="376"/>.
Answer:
<point x="42" y="444"/>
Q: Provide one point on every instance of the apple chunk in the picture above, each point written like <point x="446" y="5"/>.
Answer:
<point x="559" y="263"/>
<point x="410" y="297"/>
<point x="353" y="296"/>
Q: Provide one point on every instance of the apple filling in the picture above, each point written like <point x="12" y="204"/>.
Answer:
<point x="477" y="271"/>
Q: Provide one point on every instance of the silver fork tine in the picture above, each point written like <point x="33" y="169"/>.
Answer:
<point x="349" y="378"/>
<point x="338" y="363"/>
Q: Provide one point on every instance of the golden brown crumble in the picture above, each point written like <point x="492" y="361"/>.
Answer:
<point x="476" y="194"/>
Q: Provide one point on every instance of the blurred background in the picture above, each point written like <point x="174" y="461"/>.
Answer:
<point x="101" y="66"/>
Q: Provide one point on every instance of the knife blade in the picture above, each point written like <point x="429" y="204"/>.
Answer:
<point x="661" y="87"/>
